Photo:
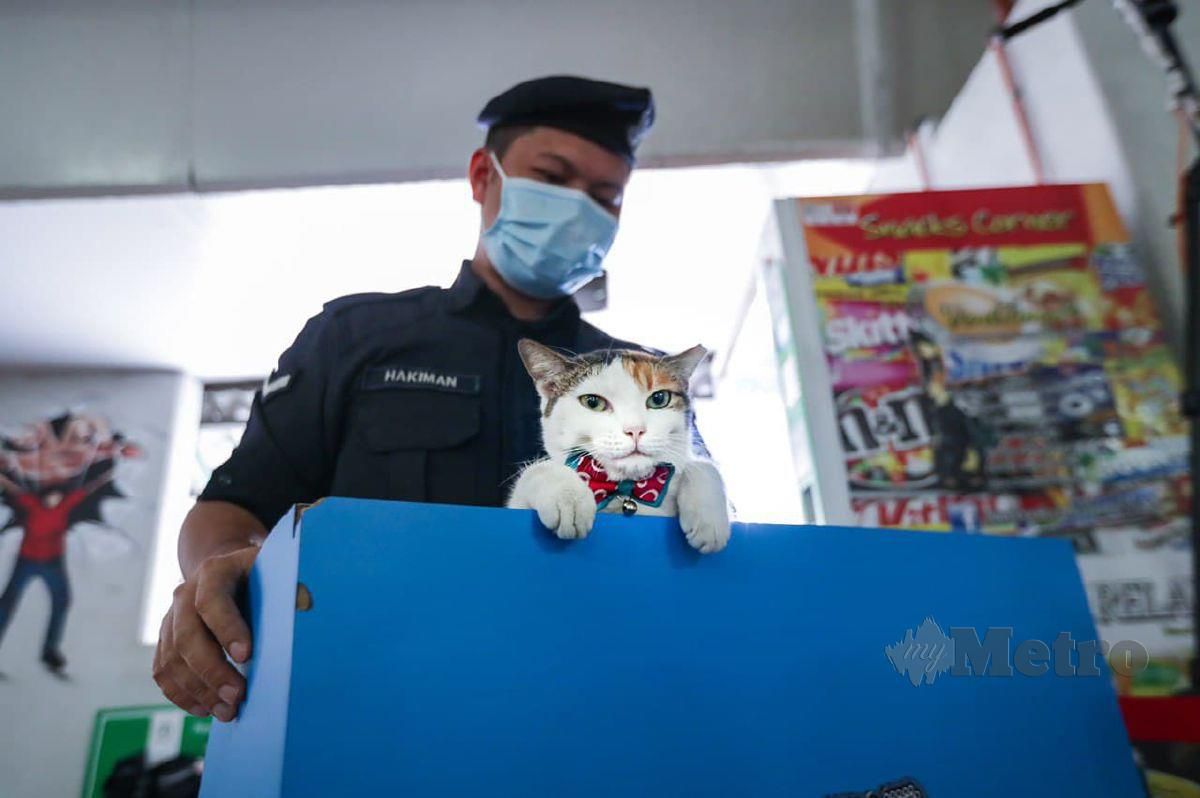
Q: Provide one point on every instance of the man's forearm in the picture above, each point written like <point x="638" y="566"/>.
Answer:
<point x="213" y="528"/>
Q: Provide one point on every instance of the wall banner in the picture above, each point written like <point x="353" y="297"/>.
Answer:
<point x="997" y="366"/>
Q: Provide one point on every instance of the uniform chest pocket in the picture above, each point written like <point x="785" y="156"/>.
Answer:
<point x="424" y="442"/>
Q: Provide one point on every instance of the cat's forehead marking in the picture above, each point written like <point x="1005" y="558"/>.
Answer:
<point x="648" y="372"/>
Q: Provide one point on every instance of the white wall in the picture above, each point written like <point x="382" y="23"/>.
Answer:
<point x="217" y="285"/>
<point x="1096" y="106"/>
<point x="174" y="93"/>
<point x="47" y="720"/>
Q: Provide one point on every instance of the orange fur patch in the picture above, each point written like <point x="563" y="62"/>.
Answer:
<point x="646" y="372"/>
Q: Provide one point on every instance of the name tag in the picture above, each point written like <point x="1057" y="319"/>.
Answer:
<point x="384" y="378"/>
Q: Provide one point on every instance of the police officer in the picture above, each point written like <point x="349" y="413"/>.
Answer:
<point x="419" y="395"/>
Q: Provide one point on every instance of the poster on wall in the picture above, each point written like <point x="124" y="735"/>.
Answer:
<point x="55" y="475"/>
<point x="997" y="366"/>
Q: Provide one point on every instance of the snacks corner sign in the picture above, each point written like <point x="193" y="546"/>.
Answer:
<point x="991" y="218"/>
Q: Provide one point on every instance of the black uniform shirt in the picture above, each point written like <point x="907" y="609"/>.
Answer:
<point x="416" y="396"/>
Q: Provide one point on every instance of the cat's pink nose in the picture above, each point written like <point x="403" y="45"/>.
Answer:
<point x="635" y="433"/>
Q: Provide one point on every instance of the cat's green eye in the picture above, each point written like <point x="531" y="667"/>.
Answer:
<point x="593" y="402"/>
<point x="658" y="400"/>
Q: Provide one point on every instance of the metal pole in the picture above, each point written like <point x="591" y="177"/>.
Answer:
<point x="1190" y="231"/>
<point x="876" y="74"/>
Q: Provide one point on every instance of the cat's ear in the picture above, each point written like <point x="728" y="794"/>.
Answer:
<point x="683" y="364"/>
<point x="546" y="366"/>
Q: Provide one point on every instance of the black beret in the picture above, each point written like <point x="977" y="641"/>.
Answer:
<point x="614" y="116"/>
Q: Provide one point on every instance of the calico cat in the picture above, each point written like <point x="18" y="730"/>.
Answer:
<point x="617" y="433"/>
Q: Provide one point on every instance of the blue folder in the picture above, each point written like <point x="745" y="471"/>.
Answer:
<point x="462" y="651"/>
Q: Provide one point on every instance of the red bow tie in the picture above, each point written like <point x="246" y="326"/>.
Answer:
<point x="649" y="491"/>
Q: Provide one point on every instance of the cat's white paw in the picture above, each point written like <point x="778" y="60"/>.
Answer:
<point x="568" y="512"/>
<point x="703" y="511"/>
<point x="562" y="502"/>
<point x="707" y="532"/>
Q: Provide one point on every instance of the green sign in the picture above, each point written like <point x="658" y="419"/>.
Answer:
<point x="158" y="733"/>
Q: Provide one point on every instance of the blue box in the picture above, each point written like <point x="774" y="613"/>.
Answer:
<point x="462" y="651"/>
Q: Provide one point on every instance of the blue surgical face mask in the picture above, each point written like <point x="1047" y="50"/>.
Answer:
<point x="547" y="241"/>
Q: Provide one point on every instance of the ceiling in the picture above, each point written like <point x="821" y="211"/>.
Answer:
<point x="176" y="95"/>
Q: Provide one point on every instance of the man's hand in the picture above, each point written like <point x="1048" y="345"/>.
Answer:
<point x="189" y="664"/>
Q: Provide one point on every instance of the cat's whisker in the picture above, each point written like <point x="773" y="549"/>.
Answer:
<point x="521" y="466"/>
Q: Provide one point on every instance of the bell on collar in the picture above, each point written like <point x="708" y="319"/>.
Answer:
<point x="628" y="506"/>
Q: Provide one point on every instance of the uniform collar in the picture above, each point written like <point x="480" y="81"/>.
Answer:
<point x="469" y="293"/>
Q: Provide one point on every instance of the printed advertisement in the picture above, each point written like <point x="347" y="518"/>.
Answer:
<point x="998" y="367"/>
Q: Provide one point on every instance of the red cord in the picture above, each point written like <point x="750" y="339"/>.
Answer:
<point x="918" y="153"/>
<point x="1010" y="85"/>
<point x="1003" y="9"/>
